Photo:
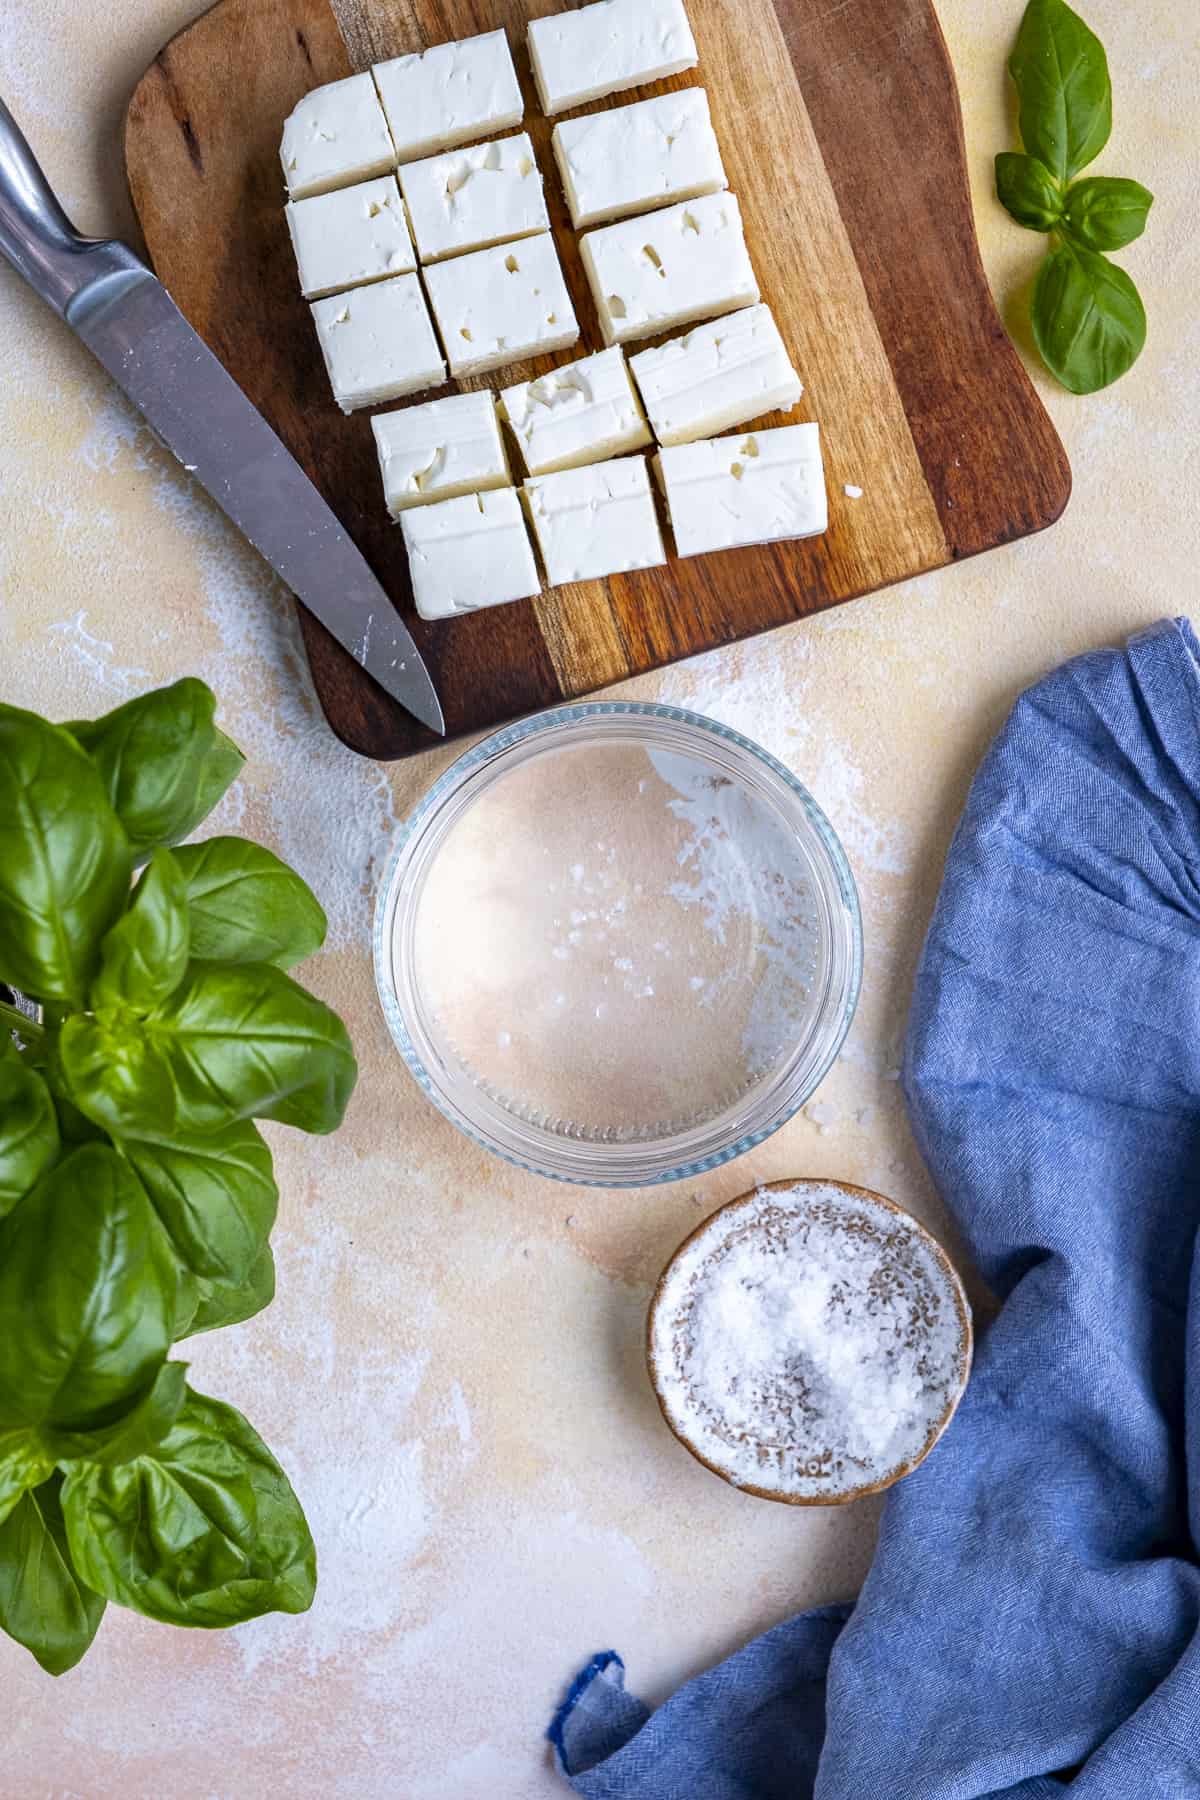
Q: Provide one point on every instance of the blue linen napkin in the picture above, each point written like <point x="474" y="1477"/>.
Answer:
<point x="1034" y="1606"/>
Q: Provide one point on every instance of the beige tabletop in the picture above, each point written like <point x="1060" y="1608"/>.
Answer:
<point x="452" y="1372"/>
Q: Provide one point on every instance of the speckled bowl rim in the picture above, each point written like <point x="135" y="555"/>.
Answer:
<point x="940" y="1256"/>
<point x="570" y="1165"/>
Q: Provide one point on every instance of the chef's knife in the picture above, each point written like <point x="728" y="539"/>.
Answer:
<point x="124" y="315"/>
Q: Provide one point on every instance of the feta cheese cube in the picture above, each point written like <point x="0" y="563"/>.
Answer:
<point x="470" y="553"/>
<point x="584" y="413"/>
<point x="650" y="154"/>
<point x="336" y="136"/>
<point x="596" y="522"/>
<point x="498" y="306"/>
<point x="732" y="491"/>
<point x="472" y="199"/>
<point x="378" y="343"/>
<point x="608" y="47"/>
<point x="654" y="274"/>
<point x="718" y="376"/>
<point x="440" y="450"/>
<point x="350" y="237"/>
<point x="450" y="94"/>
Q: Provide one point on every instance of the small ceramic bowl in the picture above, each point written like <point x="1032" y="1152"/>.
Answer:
<point x="810" y="1423"/>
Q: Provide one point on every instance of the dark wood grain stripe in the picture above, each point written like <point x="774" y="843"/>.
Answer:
<point x="884" y="104"/>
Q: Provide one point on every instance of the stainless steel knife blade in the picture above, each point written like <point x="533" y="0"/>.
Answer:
<point x="124" y="315"/>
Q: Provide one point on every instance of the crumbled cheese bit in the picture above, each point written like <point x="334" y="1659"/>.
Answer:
<point x="351" y="237"/>
<point x="473" y="198"/>
<point x="656" y="273"/>
<point x="378" y="343"/>
<point x="607" y="48"/>
<point x="450" y="94"/>
<point x="499" y="306"/>
<point x="760" y="489"/>
<point x="650" y="154"/>
<point x="440" y="450"/>
<point x="337" y="135"/>
<point x="468" y="554"/>
<point x="717" y="377"/>
<point x="586" y="412"/>
<point x="852" y="493"/>
<point x="597" y="521"/>
<point x="808" y="1343"/>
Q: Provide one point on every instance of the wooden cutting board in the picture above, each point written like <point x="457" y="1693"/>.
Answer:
<point x="843" y="140"/>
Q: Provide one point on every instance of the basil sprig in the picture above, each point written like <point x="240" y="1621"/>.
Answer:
<point x="137" y="1194"/>
<point x="1089" y="322"/>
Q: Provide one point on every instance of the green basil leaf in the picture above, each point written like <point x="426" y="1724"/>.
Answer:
<point x="87" y="1296"/>
<point x="1107" y="212"/>
<point x="1061" y="73"/>
<point x="163" y="762"/>
<point x="64" y="860"/>
<point x="139" y="1431"/>
<point x="24" y="1463"/>
<point x="1088" y="319"/>
<point x="235" y="1041"/>
<point x="247" y="906"/>
<point x="43" y="1604"/>
<point x="1028" y="190"/>
<point x="215" y="1195"/>
<point x="223" y="1303"/>
<point x="145" y="955"/>
<point x="29" y="1140"/>
<point x="206" y="1532"/>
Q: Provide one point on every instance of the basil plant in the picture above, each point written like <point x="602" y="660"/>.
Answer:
<point x="136" y="1191"/>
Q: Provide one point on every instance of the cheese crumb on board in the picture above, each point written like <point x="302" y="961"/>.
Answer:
<point x="350" y="237"/>
<point x="501" y="305"/>
<point x="471" y="199"/>
<point x="468" y="554"/>
<point x="852" y="493"/>
<point x="378" y="343"/>
<point x="336" y="135"/>
<point x="607" y="48"/>
<point x="440" y="450"/>
<point x="651" y="154"/>
<point x="657" y="273"/>
<point x="596" y="522"/>
<point x="761" y="489"/>
<point x="450" y="94"/>
<point x="717" y="377"/>
<point x="583" y="413"/>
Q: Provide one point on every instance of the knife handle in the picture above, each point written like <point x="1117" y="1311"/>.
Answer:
<point x="36" y="235"/>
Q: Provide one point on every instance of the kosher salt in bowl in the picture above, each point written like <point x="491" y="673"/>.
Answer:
<point x="809" y="1343"/>
<point x="618" y="944"/>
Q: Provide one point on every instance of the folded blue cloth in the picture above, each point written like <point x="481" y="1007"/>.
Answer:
<point x="1031" y="1620"/>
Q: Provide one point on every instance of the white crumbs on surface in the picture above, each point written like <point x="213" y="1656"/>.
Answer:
<point x="851" y="492"/>
<point x="808" y="1343"/>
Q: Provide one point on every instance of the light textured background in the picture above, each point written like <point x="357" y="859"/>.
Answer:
<point x="452" y="1372"/>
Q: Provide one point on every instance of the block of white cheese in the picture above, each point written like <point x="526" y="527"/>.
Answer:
<point x="650" y="154"/>
<point x="470" y="199"/>
<point x="450" y="95"/>
<point x="350" y="237"/>
<point x="378" y="343"/>
<point x="688" y="262"/>
<point x="718" y="376"/>
<point x="583" y="413"/>
<point x="440" y="450"/>
<point x="498" y="306"/>
<point x="608" y="47"/>
<point x="470" y="553"/>
<point x="596" y="522"/>
<point x="727" y="492"/>
<point x="336" y="136"/>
